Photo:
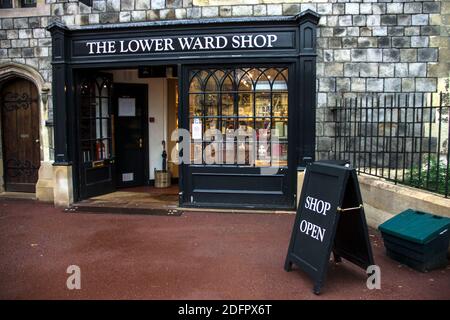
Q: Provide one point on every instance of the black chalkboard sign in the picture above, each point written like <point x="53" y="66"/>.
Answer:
<point x="330" y="218"/>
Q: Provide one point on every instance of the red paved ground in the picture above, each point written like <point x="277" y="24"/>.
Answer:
<point x="195" y="256"/>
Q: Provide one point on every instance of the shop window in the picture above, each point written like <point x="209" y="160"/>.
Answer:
<point x="95" y="120"/>
<point x="239" y="116"/>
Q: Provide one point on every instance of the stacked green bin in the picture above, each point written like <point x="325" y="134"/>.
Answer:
<point x="417" y="239"/>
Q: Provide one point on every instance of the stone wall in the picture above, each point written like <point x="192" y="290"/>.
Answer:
<point x="363" y="45"/>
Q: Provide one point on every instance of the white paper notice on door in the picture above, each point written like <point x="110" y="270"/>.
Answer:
<point x="196" y="129"/>
<point x="127" y="177"/>
<point x="127" y="107"/>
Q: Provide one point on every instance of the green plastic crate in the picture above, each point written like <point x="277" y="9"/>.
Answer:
<point x="417" y="239"/>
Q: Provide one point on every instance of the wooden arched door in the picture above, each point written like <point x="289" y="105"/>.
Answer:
<point x="19" y="102"/>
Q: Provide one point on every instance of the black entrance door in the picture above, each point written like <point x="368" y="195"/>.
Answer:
<point x="96" y="145"/>
<point x="130" y="105"/>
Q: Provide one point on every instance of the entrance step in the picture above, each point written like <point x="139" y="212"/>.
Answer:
<point x="17" y="195"/>
<point x="157" y="211"/>
<point x="236" y="211"/>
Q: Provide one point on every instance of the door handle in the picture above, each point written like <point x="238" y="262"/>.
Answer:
<point x="140" y="142"/>
<point x="37" y="141"/>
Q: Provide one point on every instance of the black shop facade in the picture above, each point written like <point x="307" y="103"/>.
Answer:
<point x="226" y="107"/>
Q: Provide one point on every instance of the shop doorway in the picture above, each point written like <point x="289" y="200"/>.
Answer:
<point x="124" y="118"/>
<point x="20" y="135"/>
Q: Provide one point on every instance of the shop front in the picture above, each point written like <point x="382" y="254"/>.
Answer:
<point x="230" y="102"/>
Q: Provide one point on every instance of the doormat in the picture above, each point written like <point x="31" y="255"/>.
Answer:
<point x="117" y="210"/>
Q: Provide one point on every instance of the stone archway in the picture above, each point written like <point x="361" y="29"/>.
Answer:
<point x="10" y="71"/>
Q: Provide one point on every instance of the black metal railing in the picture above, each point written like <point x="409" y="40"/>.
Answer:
<point x="400" y="137"/>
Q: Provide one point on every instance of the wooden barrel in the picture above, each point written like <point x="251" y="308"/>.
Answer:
<point x="162" y="179"/>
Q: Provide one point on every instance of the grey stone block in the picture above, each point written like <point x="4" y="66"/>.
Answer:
<point x="391" y="55"/>
<point x="34" y="22"/>
<point x="342" y="84"/>
<point x="210" y="12"/>
<point x="339" y="32"/>
<point x="109" y="17"/>
<point x="358" y="85"/>
<point x="359" y="55"/>
<point x="352" y="8"/>
<point x="114" y="5"/>
<point x="225" y="11"/>
<point x="401" y="69"/>
<point x="427" y="54"/>
<point x="334" y="69"/>
<point x="158" y="4"/>
<point x="392" y="85"/>
<point x="174" y="4"/>
<point x="127" y="5"/>
<point x="166" y="14"/>
<point x="180" y="13"/>
<point x="408" y="55"/>
<point x="194" y="13"/>
<point x="430" y="30"/>
<point x="335" y="43"/>
<point x="404" y="20"/>
<point x="125" y="16"/>
<point x="325" y="8"/>
<point x="242" y="11"/>
<point x="342" y="55"/>
<point x="349" y="42"/>
<point x="369" y="70"/>
<point x="417" y="41"/>
<point x="412" y="31"/>
<point x="417" y="69"/>
<point x="99" y="6"/>
<point x="379" y="8"/>
<point x="7" y="24"/>
<point x="432" y="7"/>
<point x="395" y="7"/>
<point x="345" y="21"/>
<point x="291" y="9"/>
<point x="379" y="31"/>
<point x="373" y="20"/>
<point x="401" y="42"/>
<point x="338" y="8"/>
<point x="327" y="84"/>
<point x="21" y="23"/>
<point x="143" y="4"/>
<point x="385" y="70"/>
<point x="374" y="55"/>
<point x="412" y="7"/>
<point x="367" y="42"/>
<point x="351" y="69"/>
<point x="396" y="31"/>
<point x="419" y="19"/>
<point x="260" y="10"/>
<point x="375" y="85"/>
<point x="141" y="15"/>
<point x="425" y="84"/>
<point x="388" y="20"/>
<point x="408" y="84"/>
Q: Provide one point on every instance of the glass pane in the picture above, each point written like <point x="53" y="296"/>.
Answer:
<point x="262" y="104"/>
<point x="212" y="84"/>
<point x="211" y="125"/>
<point x="280" y="82"/>
<point x="105" y="133"/>
<point x="86" y="150"/>
<point x="262" y="83"/>
<point x="196" y="152"/>
<point x="227" y="84"/>
<point x="196" y="85"/>
<point x="245" y="82"/>
<point x="279" y="154"/>
<point x="227" y="104"/>
<point x="85" y="128"/>
<point x="211" y="105"/>
<point x="281" y="129"/>
<point x="245" y="104"/>
<point x="196" y="104"/>
<point x="280" y="104"/>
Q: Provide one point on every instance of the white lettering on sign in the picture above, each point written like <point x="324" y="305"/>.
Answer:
<point x="182" y="44"/>
<point x="312" y="230"/>
<point x="317" y="205"/>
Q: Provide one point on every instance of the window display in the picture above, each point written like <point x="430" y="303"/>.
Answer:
<point x="248" y="107"/>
